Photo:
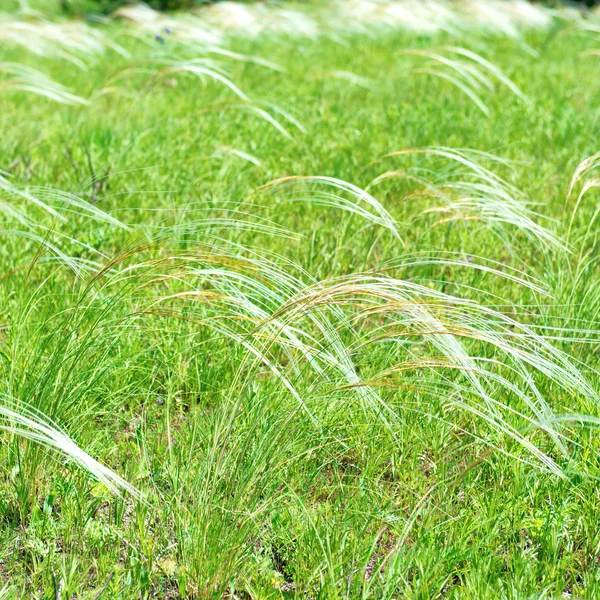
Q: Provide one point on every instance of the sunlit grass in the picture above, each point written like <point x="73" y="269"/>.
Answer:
<point x="281" y="318"/>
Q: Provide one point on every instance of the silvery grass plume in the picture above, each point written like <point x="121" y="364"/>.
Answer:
<point x="395" y="311"/>
<point x="507" y="17"/>
<point x="252" y="20"/>
<point x="41" y="215"/>
<point x="580" y="24"/>
<point x="343" y="196"/>
<point x="261" y="110"/>
<point x="426" y="17"/>
<point x="353" y="78"/>
<point x="233" y="293"/>
<point x="247" y="58"/>
<point x="205" y="69"/>
<point x="20" y="78"/>
<point x="233" y="16"/>
<point x="151" y="26"/>
<point x="73" y="40"/>
<point x="584" y="173"/>
<point x="27" y="423"/>
<point x="236" y="297"/>
<point x="228" y="150"/>
<point x="329" y="18"/>
<point x="474" y="356"/>
<point x="466" y="70"/>
<point x="472" y="191"/>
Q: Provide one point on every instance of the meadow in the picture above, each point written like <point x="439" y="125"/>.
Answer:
<point x="306" y="313"/>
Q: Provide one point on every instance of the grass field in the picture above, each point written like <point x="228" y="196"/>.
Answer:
<point x="299" y="316"/>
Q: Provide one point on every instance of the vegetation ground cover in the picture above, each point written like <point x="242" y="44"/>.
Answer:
<point x="294" y="316"/>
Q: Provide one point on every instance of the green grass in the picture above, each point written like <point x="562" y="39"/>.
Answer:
<point x="318" y="392"/>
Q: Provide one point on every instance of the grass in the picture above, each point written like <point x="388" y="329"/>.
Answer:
<point x="295" y="317"/>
